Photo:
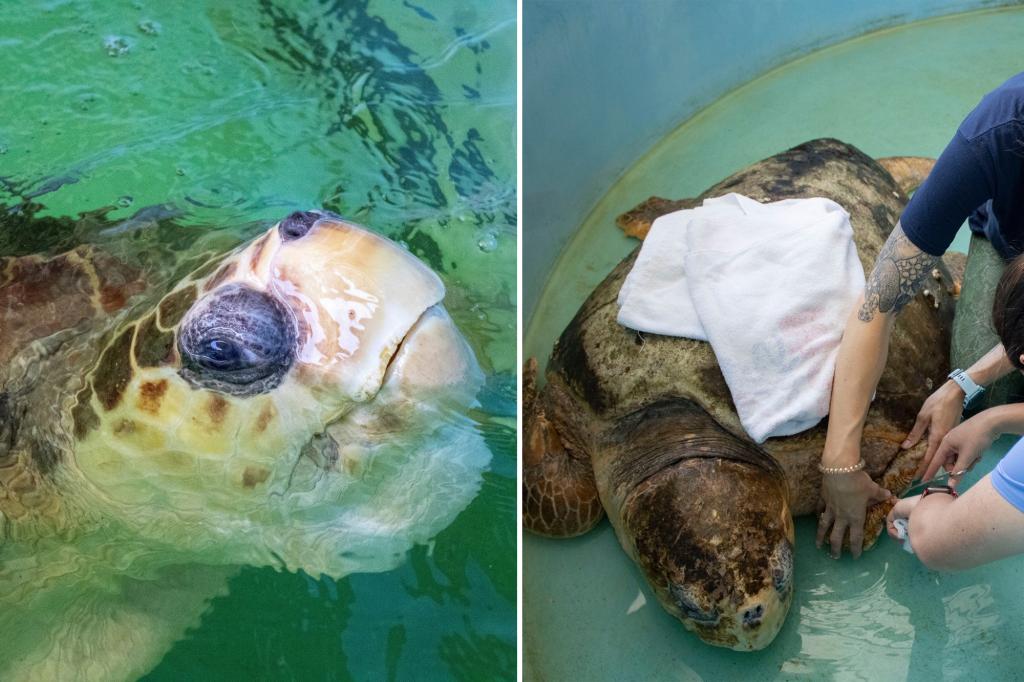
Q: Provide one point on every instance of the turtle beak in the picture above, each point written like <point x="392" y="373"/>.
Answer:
<point x="354" y="295"/>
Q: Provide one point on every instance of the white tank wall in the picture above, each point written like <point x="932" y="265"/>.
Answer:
<point x="603" y="80"/>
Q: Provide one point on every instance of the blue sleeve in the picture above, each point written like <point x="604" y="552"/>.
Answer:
<point x="1008" y="476"/>
<point x="962" y="179"/>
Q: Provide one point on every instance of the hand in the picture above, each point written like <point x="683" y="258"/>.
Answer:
<point x="962" y="447"/>
<point x="846" y="498"/>
<point x="939" y="414"/>
<point x="901" y="510"/>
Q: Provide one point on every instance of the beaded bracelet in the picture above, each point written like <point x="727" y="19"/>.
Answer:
<point x="842" y="470"/>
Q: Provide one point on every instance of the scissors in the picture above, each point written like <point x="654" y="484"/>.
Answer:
<point x="943" y="477"/>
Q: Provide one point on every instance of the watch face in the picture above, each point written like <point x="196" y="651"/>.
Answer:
<point x="948" y="490"/>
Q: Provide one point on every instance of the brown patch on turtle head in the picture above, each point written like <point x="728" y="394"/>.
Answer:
<point x="257" y="251"/>
<point x="151" y="394"/>
<point x="266" y="415"/>
<point x="217" y="409"/>
<point x="226" y="271"/>
<point x="153" y="346"/>
<point x="253" y="476"/>
<point x="114" y="371"/>
<point x="175" y="305"/>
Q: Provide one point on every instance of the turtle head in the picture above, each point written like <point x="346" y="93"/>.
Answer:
<point x="302" y="402"/>
<point x="706" y="516"/>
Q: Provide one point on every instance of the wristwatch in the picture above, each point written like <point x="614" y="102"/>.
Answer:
<point x="964" y="381"/>
<point x="939" y="489"/>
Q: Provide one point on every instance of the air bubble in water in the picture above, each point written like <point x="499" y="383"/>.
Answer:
<point x="179" y="171"/>
<point x="150" y="27"/>
<point x="125" y="201"/>
<point x="116" y="46"/>
<point x="488" y="242"/>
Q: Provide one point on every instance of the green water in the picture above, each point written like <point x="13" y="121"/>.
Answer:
<point x="587" y="612"/>
<point x="158" y="131"/>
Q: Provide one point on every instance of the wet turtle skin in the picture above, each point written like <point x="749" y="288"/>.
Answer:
<point x="641" y="427"/>
<point x="298" y="401"/>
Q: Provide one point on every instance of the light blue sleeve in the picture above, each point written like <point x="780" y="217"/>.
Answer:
<point x="1008" y="476"/>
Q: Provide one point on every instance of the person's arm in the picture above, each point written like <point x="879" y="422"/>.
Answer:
<point x="962" y="447"/>
<point x="950" y="534"/>
<point x="942" y="410"/>
<point x="898" y="273"/>
<point x="964" y="177"/>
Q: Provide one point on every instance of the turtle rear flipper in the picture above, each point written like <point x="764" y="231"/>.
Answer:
<point x="706" y="517"/>
<point x="908" y="171"/>
<point x="559" y="493"/>
<point x="637" y="221"/>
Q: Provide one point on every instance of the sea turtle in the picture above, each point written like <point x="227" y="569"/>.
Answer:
<point x="642" y="428"/>
<point x="298" y="403"/>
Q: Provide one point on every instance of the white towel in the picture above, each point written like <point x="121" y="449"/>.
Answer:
<point x="770" y="286"/>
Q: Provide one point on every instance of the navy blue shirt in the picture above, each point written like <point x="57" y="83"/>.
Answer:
<point x="979" y="176"/>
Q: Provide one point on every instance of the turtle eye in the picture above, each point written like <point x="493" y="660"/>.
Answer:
<point x="237" y="340"/>
<point x="220" y="354"/>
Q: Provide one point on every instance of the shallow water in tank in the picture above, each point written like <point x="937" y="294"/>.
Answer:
<point x="161" y="132"/>
<point x="587" y="612"/>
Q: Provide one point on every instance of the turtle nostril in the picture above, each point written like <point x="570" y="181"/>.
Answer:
<point x="752" y="617"/>
<point x="298" y="224"/>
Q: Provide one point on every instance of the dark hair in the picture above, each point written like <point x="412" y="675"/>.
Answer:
<point x="1008" y="310"/>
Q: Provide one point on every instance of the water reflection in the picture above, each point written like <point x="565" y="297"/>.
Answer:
<point x="838" y="635"/>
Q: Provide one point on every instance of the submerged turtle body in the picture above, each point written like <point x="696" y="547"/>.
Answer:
<point x="299" y="403"/>
<point x="642" y="427"/>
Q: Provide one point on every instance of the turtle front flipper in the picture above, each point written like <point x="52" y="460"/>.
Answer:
<point x="559" y="493"/>
<point x="706" y="516"/>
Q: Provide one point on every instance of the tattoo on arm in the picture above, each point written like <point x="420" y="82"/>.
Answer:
<point x="898" y="273"/>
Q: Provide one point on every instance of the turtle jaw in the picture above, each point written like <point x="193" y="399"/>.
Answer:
<point x="432" y="375"/>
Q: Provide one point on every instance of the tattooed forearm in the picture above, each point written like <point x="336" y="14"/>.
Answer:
<point x="898" y="273"/>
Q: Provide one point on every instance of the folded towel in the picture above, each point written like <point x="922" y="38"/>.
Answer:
<point x="770" y="286"/>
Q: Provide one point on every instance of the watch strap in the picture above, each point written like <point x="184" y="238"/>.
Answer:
<point x="963" y="380"/>
<point x="947" y="489"/>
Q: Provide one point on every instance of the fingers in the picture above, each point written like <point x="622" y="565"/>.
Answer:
<point x="945" y="453"/>
<point x="934" y="442"/>
<point x="965" y="461"/>
<point x="856" y="538"/>
<point x="836" y="538"/>
<point x="824" y="523"/>
<point x="880" y="494"/>
<point x="915" y="433"/>
<point x="890" y="526"/>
